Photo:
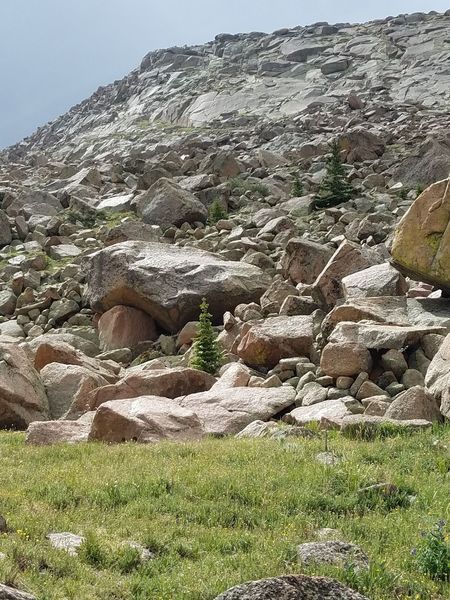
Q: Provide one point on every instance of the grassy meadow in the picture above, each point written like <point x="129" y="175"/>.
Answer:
<point x="218" y="513"/>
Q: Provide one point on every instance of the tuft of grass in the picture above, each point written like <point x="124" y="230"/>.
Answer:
<point x="243" y="185"/>
<point x="219" y="512"/>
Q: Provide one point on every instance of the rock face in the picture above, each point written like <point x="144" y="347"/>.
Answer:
<point x="168" y="283"/>
<point x="166" y="204"/>
<point x="292" y="587"/>
<point x="125" y="327"/>
<point x="229" y="411"/>
<point x="421" y="244"/>
<point x="276" y="338"/>
<point x="22" y="393"/>
<point x="145" y="419"/>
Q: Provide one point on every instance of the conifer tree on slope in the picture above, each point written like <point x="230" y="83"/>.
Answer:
<point x="206" y="355"/>
<point x="335" y="187"/>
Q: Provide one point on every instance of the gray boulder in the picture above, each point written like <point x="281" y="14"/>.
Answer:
<point x="292" y="587"/>
<point x="166" y="204"/>
<point x="168" y="282"/>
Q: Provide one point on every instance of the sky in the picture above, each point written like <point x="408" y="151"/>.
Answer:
<point x="56" y="53"/>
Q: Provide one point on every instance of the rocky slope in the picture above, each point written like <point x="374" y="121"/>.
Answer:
<point x="108" y="247"/>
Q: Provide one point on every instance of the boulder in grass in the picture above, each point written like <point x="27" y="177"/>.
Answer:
<point x="292" y="587"/>
<point x="145" y="419"/>
<point x="46" y="433"/>
<point x="9" y="593"/>
<point x="229" y="411"/>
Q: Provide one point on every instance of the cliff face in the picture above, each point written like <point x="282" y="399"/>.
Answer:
<point x="288" y="88"/>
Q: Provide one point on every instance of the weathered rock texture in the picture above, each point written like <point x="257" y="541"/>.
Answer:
<point x="168" y="283"/>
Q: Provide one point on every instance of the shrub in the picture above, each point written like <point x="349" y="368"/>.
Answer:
<point x="216" y="212"/>
<point x="433" y="553"/>
<point x="206" y="355"/>
<point x="335" y="187"/>
<point x="249" y="186"/>
<point x="92" y="553"/>
<point x="297" y="188"/>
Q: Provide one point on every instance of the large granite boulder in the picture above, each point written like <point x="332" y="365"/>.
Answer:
<point x="144" y="419"/>
<point x="268" y="341"/>
<point x="166" y="204"/>
<point x="22" y="393"/>
<point x="168" y="282"/>
<point x="229" y="411"/>
<point x="421" y="246"/>
<point x="292" y="587"/>
<point x="379" y="280"/>
<point x="167" y="383"/>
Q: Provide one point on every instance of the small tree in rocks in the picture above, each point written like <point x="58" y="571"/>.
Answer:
<point x="335" y="187"/>
<point x="206" y="355"/>
<point x="216" y="213"/>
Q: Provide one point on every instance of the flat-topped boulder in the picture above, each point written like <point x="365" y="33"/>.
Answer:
<point x="377" y="336"/>
<point x="169" y="282"/>
<point x="229" y="411"/>
<point x="145" y="419"/>
<point x="292" y="587"/>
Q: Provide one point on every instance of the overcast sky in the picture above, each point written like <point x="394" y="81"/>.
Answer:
<point x="55" y="53"/>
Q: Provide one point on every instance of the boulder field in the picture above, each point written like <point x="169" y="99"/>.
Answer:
<point x="198" y="176"/>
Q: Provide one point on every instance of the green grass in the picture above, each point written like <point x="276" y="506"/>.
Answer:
<point x="217" y="513"/>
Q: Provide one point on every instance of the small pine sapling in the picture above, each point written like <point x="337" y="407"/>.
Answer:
<point x="216" y="213"/>
<point x="206" y="354"/>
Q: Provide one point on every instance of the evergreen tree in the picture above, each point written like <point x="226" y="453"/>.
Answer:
<point x="297" y="188"/>
<point x="216" y="213"/>
<point x="206" y="355"/>
<point x="335" y="187"/>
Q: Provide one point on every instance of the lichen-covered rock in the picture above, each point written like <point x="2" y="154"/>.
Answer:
<point x="421" y="244"/>
<point x="292" y="587"/>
